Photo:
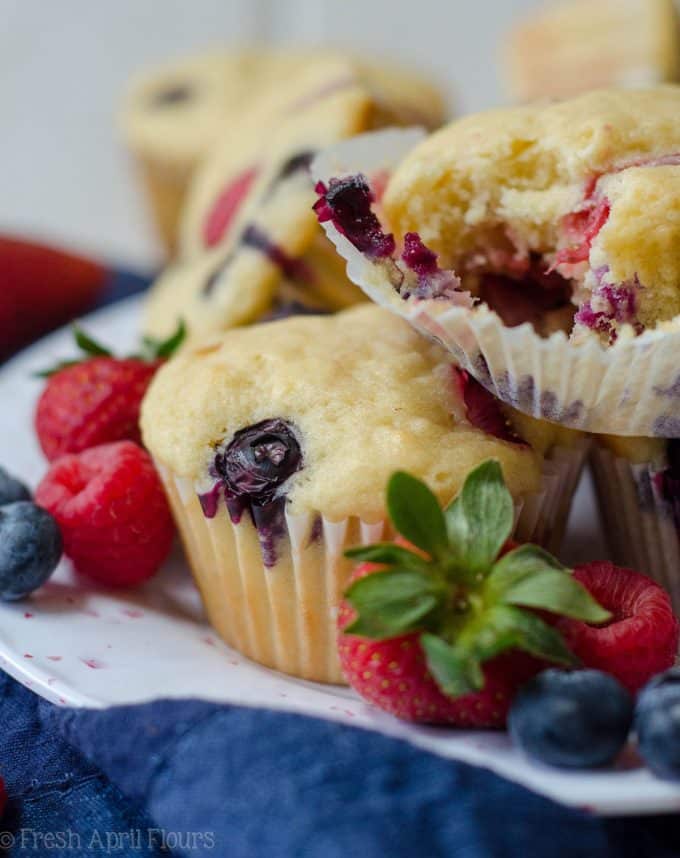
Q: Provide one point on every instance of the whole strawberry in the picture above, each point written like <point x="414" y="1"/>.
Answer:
<point x="112" y="512"/>
<point x="42" y="288"/>
<point x="96" y="399"/>
<point x="447" y="633"/>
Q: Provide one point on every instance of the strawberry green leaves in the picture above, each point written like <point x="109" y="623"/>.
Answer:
<point x="416" y="513"/>
<point x="154" y="349"/>
<point x="480" y="519"/>
<point x="532" y="578"/>
<point x="469" y="604"/>
<point x="390" y="603"/>
<point x="150" y="351"/>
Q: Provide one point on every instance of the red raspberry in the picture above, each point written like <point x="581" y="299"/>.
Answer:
<point x="113" y="515"/>
<point x="642" y="637"/>
<point x="90" y="403"/>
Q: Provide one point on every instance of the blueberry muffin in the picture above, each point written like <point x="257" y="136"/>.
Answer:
<point x="251" y="242"/>
<point x="507" y="230"/>
<point x="275" y="443"/>
<point x="570" y="47"/>
<point x="174" y="115"/>
<point x="638" y="487"/>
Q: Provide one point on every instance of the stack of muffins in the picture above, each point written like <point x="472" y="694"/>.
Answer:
<point x="525" y="264"/>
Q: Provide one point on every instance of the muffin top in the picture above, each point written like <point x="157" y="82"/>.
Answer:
<point x="342" y="401"/>
<point x="565" y="48"/>
<point x="176" y="111"/>
<point x="587" y="188"/>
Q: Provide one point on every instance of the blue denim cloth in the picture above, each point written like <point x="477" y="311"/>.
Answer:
<point x="199" y="778"/>
<point x="194" y="778"/>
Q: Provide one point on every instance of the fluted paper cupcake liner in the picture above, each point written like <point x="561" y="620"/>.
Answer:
<point x="284" y="615"/>
<point x="639" y="522"/>
<point x="629" y="388"/>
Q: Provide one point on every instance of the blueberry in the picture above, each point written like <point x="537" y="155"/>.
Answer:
<point x="30" y="548"/>
<point x="12" y="490"/>
<point x="295" y="164"/>
<point x="259" y="460"/>
<point x="576" y="720"/>
<point x="347" y="202"/>
<point x="657" y="723"/>
<point x="170" y="96"/>
<point x="286" y="309"/>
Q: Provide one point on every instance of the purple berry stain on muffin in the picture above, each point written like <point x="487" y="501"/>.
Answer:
<point x="611" y="305"/>
<point x="255" y="238"/>
<point x="252" y="470"/>
<point x="295" y="269"/>
<point x="432" y="281"/>
<point x="210" y="501"/>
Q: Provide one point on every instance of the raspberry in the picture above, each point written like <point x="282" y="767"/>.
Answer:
<point x="113" y="515"/>
<point x="641" y="639"/>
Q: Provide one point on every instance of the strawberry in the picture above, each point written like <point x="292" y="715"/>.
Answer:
<point x="41" y="289"/>
<point x="97" y="400"/>
<point x="640" y="640"/>
<point x="447" y="632"/>
<point x="112" y="512"/>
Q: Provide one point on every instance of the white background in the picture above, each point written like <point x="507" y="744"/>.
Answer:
<point x="64" y="174"/>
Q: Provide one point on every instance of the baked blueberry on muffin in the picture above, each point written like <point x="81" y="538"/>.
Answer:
<point x="570" y="46"/>
<point x="638" y="486"/>
<point x="565" y="217"/>
<point x="275" y="443"/>
<point x="250" y="240"/>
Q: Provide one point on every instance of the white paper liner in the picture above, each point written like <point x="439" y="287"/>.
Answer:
<point x="630" y="388"/>
<point x="284" y="616"/>
<point x="639" y="523"/>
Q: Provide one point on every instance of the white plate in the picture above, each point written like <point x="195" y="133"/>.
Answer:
<point x="83" y="647"/>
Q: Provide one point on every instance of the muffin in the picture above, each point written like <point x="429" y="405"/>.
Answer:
<point x="638" y="487"/>
<point x="275" y="444"/>
<point x="539" y="243"/>
<point x="354" y="96"/>
<point x="251" y="242"/>
<point x="567" y="48"/>
<point x="175" y="114"/>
